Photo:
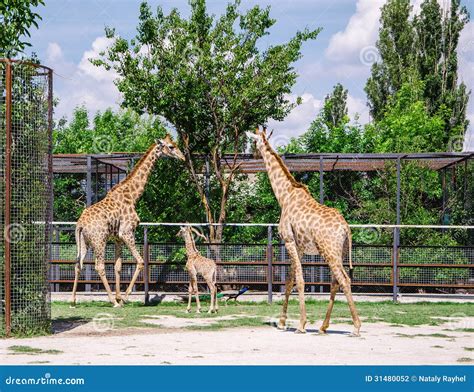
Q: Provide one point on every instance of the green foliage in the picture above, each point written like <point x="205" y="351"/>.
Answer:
<point x="421" y="49"/>
<point x="407" y="126"/>
<point x="208" y="77"/>
<point x="16" y="19"/>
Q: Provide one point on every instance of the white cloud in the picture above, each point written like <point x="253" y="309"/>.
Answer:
<point x="358" y="106"/>
<point x="54" y="52"/>
<point x="361" y="31"/>
<point x="83" y="83"/>
<point x="297" y="122"/>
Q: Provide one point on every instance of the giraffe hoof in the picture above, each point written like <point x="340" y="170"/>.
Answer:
<point x="72" y="306"/>
<point x="198" y="311"/>
<point x="300" y="331"/>
<point x="118" y="305"/>
<point x="188" y="310"/>
<point x="281" y="326"/>
<point x="322" y="332"/>
<point x="354" y="335"/>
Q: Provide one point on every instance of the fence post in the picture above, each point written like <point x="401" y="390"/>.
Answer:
<point x="396" y="237"/>
<point x="146" y="259"/>
<point x="270" y="262"/>
<point x="8" y="195"/>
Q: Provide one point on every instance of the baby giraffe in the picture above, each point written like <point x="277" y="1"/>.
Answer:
<point x="198" y="264"/>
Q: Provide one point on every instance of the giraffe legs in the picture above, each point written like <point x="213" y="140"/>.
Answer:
<point x="216" y="305"/>
<point x="300" y="287"/>
<point x="196" y="293"/>
<point x="118" y="270"/>
<point x="334" y="288"/>
<point x="298" y="276"/>
<point x="100" y="268"/>
<point x="129" y="240"/>
<point x="290" y="281"/>
<point x="190" y="297"/>
<point x="213" y="290"/>
<point x="344" y="281"/>
<point x="77" y="273"/>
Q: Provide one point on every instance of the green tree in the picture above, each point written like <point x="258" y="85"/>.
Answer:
<point x="16" y="19"/>
<point x="422" y="48"/>
<point x="209" y="78"/>
<point x="167" y="197"/>
<point x="395" y="45"/>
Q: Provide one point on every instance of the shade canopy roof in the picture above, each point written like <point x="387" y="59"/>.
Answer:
<point x="78" y="163"/>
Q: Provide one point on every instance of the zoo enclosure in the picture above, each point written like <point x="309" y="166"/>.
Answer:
<point x="389" y="268"/>
<point x="25" y="195"/>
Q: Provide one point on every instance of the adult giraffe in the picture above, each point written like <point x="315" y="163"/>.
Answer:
<point x="114" y="217"/>
<point x="307" y="227"/>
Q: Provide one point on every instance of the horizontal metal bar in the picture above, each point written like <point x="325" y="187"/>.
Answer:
<point x="414" y="265"/>
<point x="151" y="224"/>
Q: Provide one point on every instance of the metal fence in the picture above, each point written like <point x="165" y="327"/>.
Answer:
<point x="265" y="266"/>
<point x="25" y="196"/>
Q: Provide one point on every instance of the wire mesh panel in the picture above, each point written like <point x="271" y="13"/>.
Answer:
<point x="436" y="266"/>
<point x="241" y="264"/>
<point x="26" y="196"/>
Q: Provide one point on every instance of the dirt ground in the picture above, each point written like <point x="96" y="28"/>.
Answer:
<point x="380" y="343"/>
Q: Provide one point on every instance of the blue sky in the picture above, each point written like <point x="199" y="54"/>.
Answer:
<point x="72" y="31"/>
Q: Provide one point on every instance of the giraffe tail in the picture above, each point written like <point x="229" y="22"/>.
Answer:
<point x="81" y="245"/>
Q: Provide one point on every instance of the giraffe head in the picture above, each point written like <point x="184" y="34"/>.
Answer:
<point x="260" y="137"/>
<point x="169" y="148"/>
<point x="186" y="232"/>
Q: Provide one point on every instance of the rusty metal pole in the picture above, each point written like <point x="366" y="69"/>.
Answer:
<point x="49" y="214"/>
<point x="8" y="196"/>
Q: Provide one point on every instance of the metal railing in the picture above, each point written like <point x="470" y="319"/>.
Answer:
<point x="266" y="265"/>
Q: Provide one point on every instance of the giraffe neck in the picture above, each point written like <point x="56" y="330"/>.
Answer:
<point x="282" y="182"/>
<point x="136" y="181"/>
<point x="190" y="245"/>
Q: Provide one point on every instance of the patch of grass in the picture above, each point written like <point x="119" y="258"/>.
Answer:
<point x="395" y="314"/>
<point x="37" y="362"/>
<point x="32" y="350"/>
<point x="469" y="348"/>
<point x="437" y="346"/>
<point x="465" y="359"/>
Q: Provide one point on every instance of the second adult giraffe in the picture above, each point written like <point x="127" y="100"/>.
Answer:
<point x="307" y="227"/>
<point x="115" y="218"/>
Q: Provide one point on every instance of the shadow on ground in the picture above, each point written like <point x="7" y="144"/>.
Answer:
<point x="68" y="323"/>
